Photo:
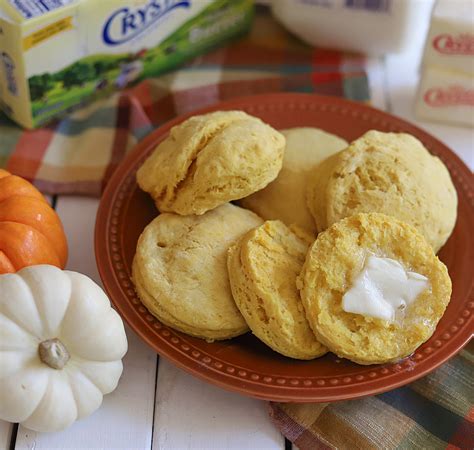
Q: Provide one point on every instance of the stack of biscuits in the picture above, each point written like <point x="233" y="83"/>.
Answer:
<point x="311" y="209"/>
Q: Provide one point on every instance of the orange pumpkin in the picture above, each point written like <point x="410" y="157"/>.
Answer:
<point x="30" y="230"/>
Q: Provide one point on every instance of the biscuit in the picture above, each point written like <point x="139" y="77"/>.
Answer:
<point x="337" y="257"/>
<point x="263" y="266"/>
<point x="390" y="173"/>
<point x="211" y="159"/>
<point x="285" y="197"/>
<point x="180" y="271"/>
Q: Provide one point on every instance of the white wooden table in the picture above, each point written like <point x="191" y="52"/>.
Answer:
<point x="157" y="406"/>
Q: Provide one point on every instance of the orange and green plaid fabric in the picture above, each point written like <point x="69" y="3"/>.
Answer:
<point x="435" y="412"/>
<point x="79" y="153"/>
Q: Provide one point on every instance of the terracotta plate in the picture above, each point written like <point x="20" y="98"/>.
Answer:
<point x="245" y="364"/>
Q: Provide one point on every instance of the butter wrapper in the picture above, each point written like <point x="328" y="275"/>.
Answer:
<point x="446" y="96"/>
<point x="450" y="41"/>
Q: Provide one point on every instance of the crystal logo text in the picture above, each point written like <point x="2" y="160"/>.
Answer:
<point x="450" y="96"/>
<point x="127" y="23"/>
<point x="462" y="44"/>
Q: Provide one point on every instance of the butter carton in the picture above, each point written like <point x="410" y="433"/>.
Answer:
<point x="446" y="88"/>
<point x="446" y="96"/>
<point x="55" y="55"/>
<point x="450" y="41"/>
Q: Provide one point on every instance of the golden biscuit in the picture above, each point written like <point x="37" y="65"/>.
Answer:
<point x="390" y="173"/>
<point x="335" y="260"/>
<point x="180" y="271"/>
<point x="211" y="159"/>
<point x="285" y="197"/>
<point x="263" y="266"/>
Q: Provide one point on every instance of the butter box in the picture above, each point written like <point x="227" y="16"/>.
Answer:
<point x="450" y="41"/>
<point x="56" y="55"/>
<point x="446" y="88"/>
<point x="446" y="96"/>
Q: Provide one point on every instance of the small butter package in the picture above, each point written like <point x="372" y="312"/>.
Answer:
<point x="450" y="41"/>
<point x="446" y="96"/>
<point x="56" y="55"/>
<point x="446" y="90"/>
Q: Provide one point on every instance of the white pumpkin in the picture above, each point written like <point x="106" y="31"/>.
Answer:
<point x="61" y="346"/>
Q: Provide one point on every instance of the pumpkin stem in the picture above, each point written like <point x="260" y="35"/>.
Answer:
<point x="53" y="353"/>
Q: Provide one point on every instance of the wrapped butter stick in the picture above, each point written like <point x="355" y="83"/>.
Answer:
<point x="450" y="42"/>
<point x="446" y="96"/>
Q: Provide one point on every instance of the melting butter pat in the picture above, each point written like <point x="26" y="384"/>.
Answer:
<point x="383" y="289"/>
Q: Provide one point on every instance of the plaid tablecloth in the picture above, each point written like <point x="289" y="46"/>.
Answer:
<point x="435" y="412"/>
<point x="78" y="155"/>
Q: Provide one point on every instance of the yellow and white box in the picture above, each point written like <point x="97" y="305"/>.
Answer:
<point x="58" y="54"/>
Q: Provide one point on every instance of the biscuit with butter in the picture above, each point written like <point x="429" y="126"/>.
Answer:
<point x="285" y="197"/>
<point x="211" y="159"/>
<point x="180" y="271"/>
<point x="263" y="266"/>
<point x="373" y="289"/>
<point x="390" y="173"/>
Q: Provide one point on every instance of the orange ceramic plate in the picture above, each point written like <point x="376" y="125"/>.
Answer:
<point x="245" y="364"/>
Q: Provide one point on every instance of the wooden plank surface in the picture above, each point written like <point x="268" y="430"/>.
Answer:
<point x="125" y="418"/>
<point x="6" y="429"/>
<point x="191" y="414"/>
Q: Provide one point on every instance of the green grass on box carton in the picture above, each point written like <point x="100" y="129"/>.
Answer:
<point x="55" y="55"/>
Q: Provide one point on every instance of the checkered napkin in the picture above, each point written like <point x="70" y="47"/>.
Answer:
<point x="435" y="412"/>
<point x="79" y="154"/>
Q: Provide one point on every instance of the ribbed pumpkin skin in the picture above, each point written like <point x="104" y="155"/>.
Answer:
<point x="30" y="230"/>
